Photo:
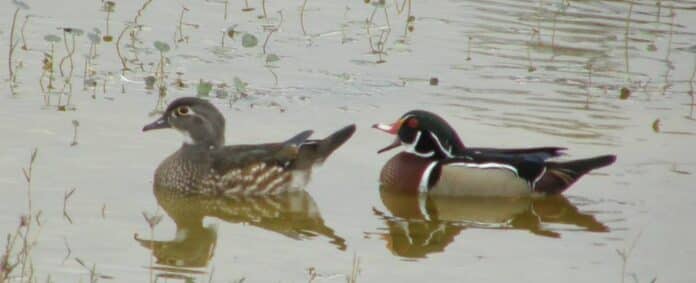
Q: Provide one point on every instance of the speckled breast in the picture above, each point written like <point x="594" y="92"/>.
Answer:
<point x="403" y="172"/>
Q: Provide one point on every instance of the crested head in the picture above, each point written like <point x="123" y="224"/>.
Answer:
<point x="197" y="119"/>
<point x="425" y="134"/>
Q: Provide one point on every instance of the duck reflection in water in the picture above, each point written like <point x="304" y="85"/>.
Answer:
<point x="423" y="224"/>
<point x="293" y="214"/>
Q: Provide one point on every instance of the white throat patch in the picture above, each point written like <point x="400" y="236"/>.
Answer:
<point x="186" y="136"/>
<point x="411" y="147"/>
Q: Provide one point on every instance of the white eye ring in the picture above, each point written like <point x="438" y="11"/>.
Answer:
<point x="183" y="111"/>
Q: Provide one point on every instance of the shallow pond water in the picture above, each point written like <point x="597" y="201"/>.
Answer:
<point x="594" y="76"/>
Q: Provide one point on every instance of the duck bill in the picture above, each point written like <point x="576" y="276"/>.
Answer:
<point x="391" y="129"/>
<point x="160" y="123"/>
<point x="393" y="145"/>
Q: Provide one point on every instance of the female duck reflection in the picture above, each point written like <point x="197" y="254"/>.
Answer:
<point x="425" y="224"/>
<point x="294" y="215"/>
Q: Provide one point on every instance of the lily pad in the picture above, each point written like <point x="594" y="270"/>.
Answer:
<point x="161" y="46"/>
<point x="270" y="58"/>
<point x="204" y="88"/>
<point x="20" y="4"/>
<point x="51" y="38"/>
<point x="249" y="40"/>
<point x="75" y="31"/>
<point x="94" y="38"/>
<point x="625" y="93"/>
<point x="656" y="125"/>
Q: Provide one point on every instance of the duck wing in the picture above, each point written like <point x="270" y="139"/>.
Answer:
<point x="534" y="152"/>
<point x="241" y="157"/>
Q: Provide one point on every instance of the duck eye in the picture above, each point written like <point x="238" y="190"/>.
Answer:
<point x="183" y="111"/>
<point x="412" y="123"/>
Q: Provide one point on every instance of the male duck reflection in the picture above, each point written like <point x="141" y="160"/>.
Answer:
<point x="294" y="215"/>
<point x="205" y="165"/>
<point x="423" y="224"/>
<point x="436" y="161"/>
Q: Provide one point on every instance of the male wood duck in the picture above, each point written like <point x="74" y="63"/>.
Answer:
<point x="205" y="165"/>
<point x="436" y="161"/>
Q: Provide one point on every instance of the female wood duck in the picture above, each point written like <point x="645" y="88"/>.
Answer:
<point x="205" y="165"/>
<point x="436" y="161"/>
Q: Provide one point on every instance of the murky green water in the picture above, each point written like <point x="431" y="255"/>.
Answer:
<point x="509" y="74"/>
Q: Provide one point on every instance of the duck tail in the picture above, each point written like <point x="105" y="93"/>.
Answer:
<point x="560" y="175"/>
<point x="314" y="152"/>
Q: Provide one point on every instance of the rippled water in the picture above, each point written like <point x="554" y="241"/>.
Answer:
<point x="504" y="73"/>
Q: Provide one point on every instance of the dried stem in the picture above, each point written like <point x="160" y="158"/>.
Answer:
<point x="11" y="51"/>
<point x="302" y="10"/>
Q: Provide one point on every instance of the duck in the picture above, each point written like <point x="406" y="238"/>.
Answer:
<point x="435" y="161"/>
<point x="205" y="165"/>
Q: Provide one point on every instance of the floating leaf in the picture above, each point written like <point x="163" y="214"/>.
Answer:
<point x="239" y="85"/>
<point x="52" y="38"/>
<point x="161" y="46"/>
<point x="625" y="93"/>
<point x="150" y="82"/>
<point x="204" y="88"/>
<point x="379" y="3"/>
<point x="94" y="38"/>
<point x="656" y="125"/>
<point x="651" y="47"/>
<point x="231" y="32"/>
<point x="249" y="40"/>
<point x="107" y="38"/>
<point x="270" y="58"/>
<point x="434" y="81"/>
<point x="20" y="5"/>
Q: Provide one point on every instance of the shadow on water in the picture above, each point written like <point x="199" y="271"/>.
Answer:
<point x="294" y="215"/>
<point x="420" y="225"/>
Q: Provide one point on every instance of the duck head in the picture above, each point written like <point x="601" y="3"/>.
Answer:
<point x="424" y="134"/>
<point x="197" y="119"/>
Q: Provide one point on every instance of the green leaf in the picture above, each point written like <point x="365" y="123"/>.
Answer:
<point x="204" y="88"/>
<point x="161" y="46"/>
<point x="625" y="93"/>
<point x="52" y="38"/>
<point x="270" y="58"/>
<point x="249" y="40"/>
<point x="239" y="85"/>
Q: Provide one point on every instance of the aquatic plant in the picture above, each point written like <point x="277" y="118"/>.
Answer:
<point x="302" y="11"/>
<point x="108" y="7"/>
<point x="47" y="68"/>
<point x="152" y="221"/>
<point x="246" y="7"/>
<point x="88" y="73"/>
<point x="160" y="75"/>
<point x="379" y="47"/>
<point x="66" y="215"/>
<point x="221" y="90"/>
<point x="179" y="82"/>
<point x="94" y="276"/>
<point x="203" y="88"/>
<point x="20" y="5"/>
<point x="67" y="79"/>
<point x="229" y="32"/>
<point x="75" y="124"/>
<point x="249" y="40"/>
<point x="21" y="32"/>
<point x="180" y="29"/>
